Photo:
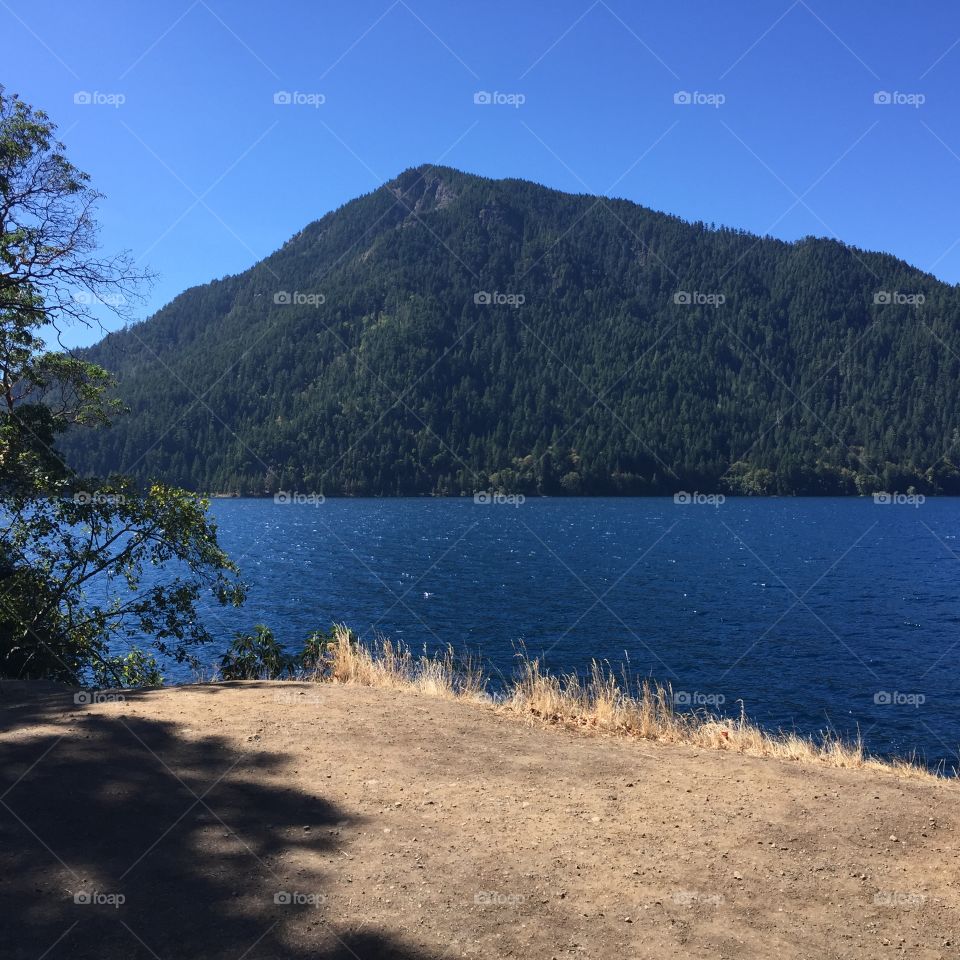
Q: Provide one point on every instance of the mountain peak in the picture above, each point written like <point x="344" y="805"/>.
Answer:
<point x="448" y="333"/>
<point x="427" y="187"/>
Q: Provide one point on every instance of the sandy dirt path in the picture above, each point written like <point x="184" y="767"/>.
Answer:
<point x="260" y="820"/>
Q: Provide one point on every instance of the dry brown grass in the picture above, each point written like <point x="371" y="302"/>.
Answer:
<point x="602" y="703"/>
<point x="395" y="667"/>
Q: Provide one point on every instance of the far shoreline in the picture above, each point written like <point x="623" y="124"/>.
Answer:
<point x="580" y="496"/>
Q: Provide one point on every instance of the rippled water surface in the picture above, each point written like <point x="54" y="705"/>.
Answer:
<point x="813" y="612"/>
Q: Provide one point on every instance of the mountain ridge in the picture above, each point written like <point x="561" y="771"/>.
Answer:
<point x="447" y="333"/>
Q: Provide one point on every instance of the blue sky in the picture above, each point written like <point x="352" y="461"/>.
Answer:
<point x="204" y="173"/>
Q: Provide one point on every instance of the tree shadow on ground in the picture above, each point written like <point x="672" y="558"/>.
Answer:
<point x="122" y="837"/>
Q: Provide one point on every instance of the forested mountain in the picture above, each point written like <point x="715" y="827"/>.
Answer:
<point x="449" y="333"/>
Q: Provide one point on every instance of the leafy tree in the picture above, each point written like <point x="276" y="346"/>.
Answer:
<point x="50" y="266"/>
<point x="85" y="563"/>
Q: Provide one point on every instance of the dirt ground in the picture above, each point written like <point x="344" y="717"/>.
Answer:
<point x="261" y="820"/>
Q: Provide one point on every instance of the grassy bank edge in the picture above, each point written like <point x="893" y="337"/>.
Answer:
<point x="602" y="704"/>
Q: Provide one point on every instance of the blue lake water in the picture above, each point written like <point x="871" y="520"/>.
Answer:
<point x="816" y="613"/>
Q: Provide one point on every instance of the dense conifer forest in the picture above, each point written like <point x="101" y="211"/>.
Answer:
<point x="448" y="333"/>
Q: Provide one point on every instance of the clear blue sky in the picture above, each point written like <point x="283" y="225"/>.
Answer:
<point x="204" y="174"/>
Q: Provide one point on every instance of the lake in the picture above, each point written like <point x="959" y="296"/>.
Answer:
<point x="817" y="614"/>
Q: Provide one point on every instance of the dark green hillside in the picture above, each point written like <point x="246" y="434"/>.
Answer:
<point x="598" y="382"/>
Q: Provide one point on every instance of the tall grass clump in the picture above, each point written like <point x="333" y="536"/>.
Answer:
<point x="645" y="711"/>
<point x="394" y="666"/>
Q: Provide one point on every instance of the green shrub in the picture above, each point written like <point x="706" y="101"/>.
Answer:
<point x="136" y="669"/>
<point x="256" y="656"/>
